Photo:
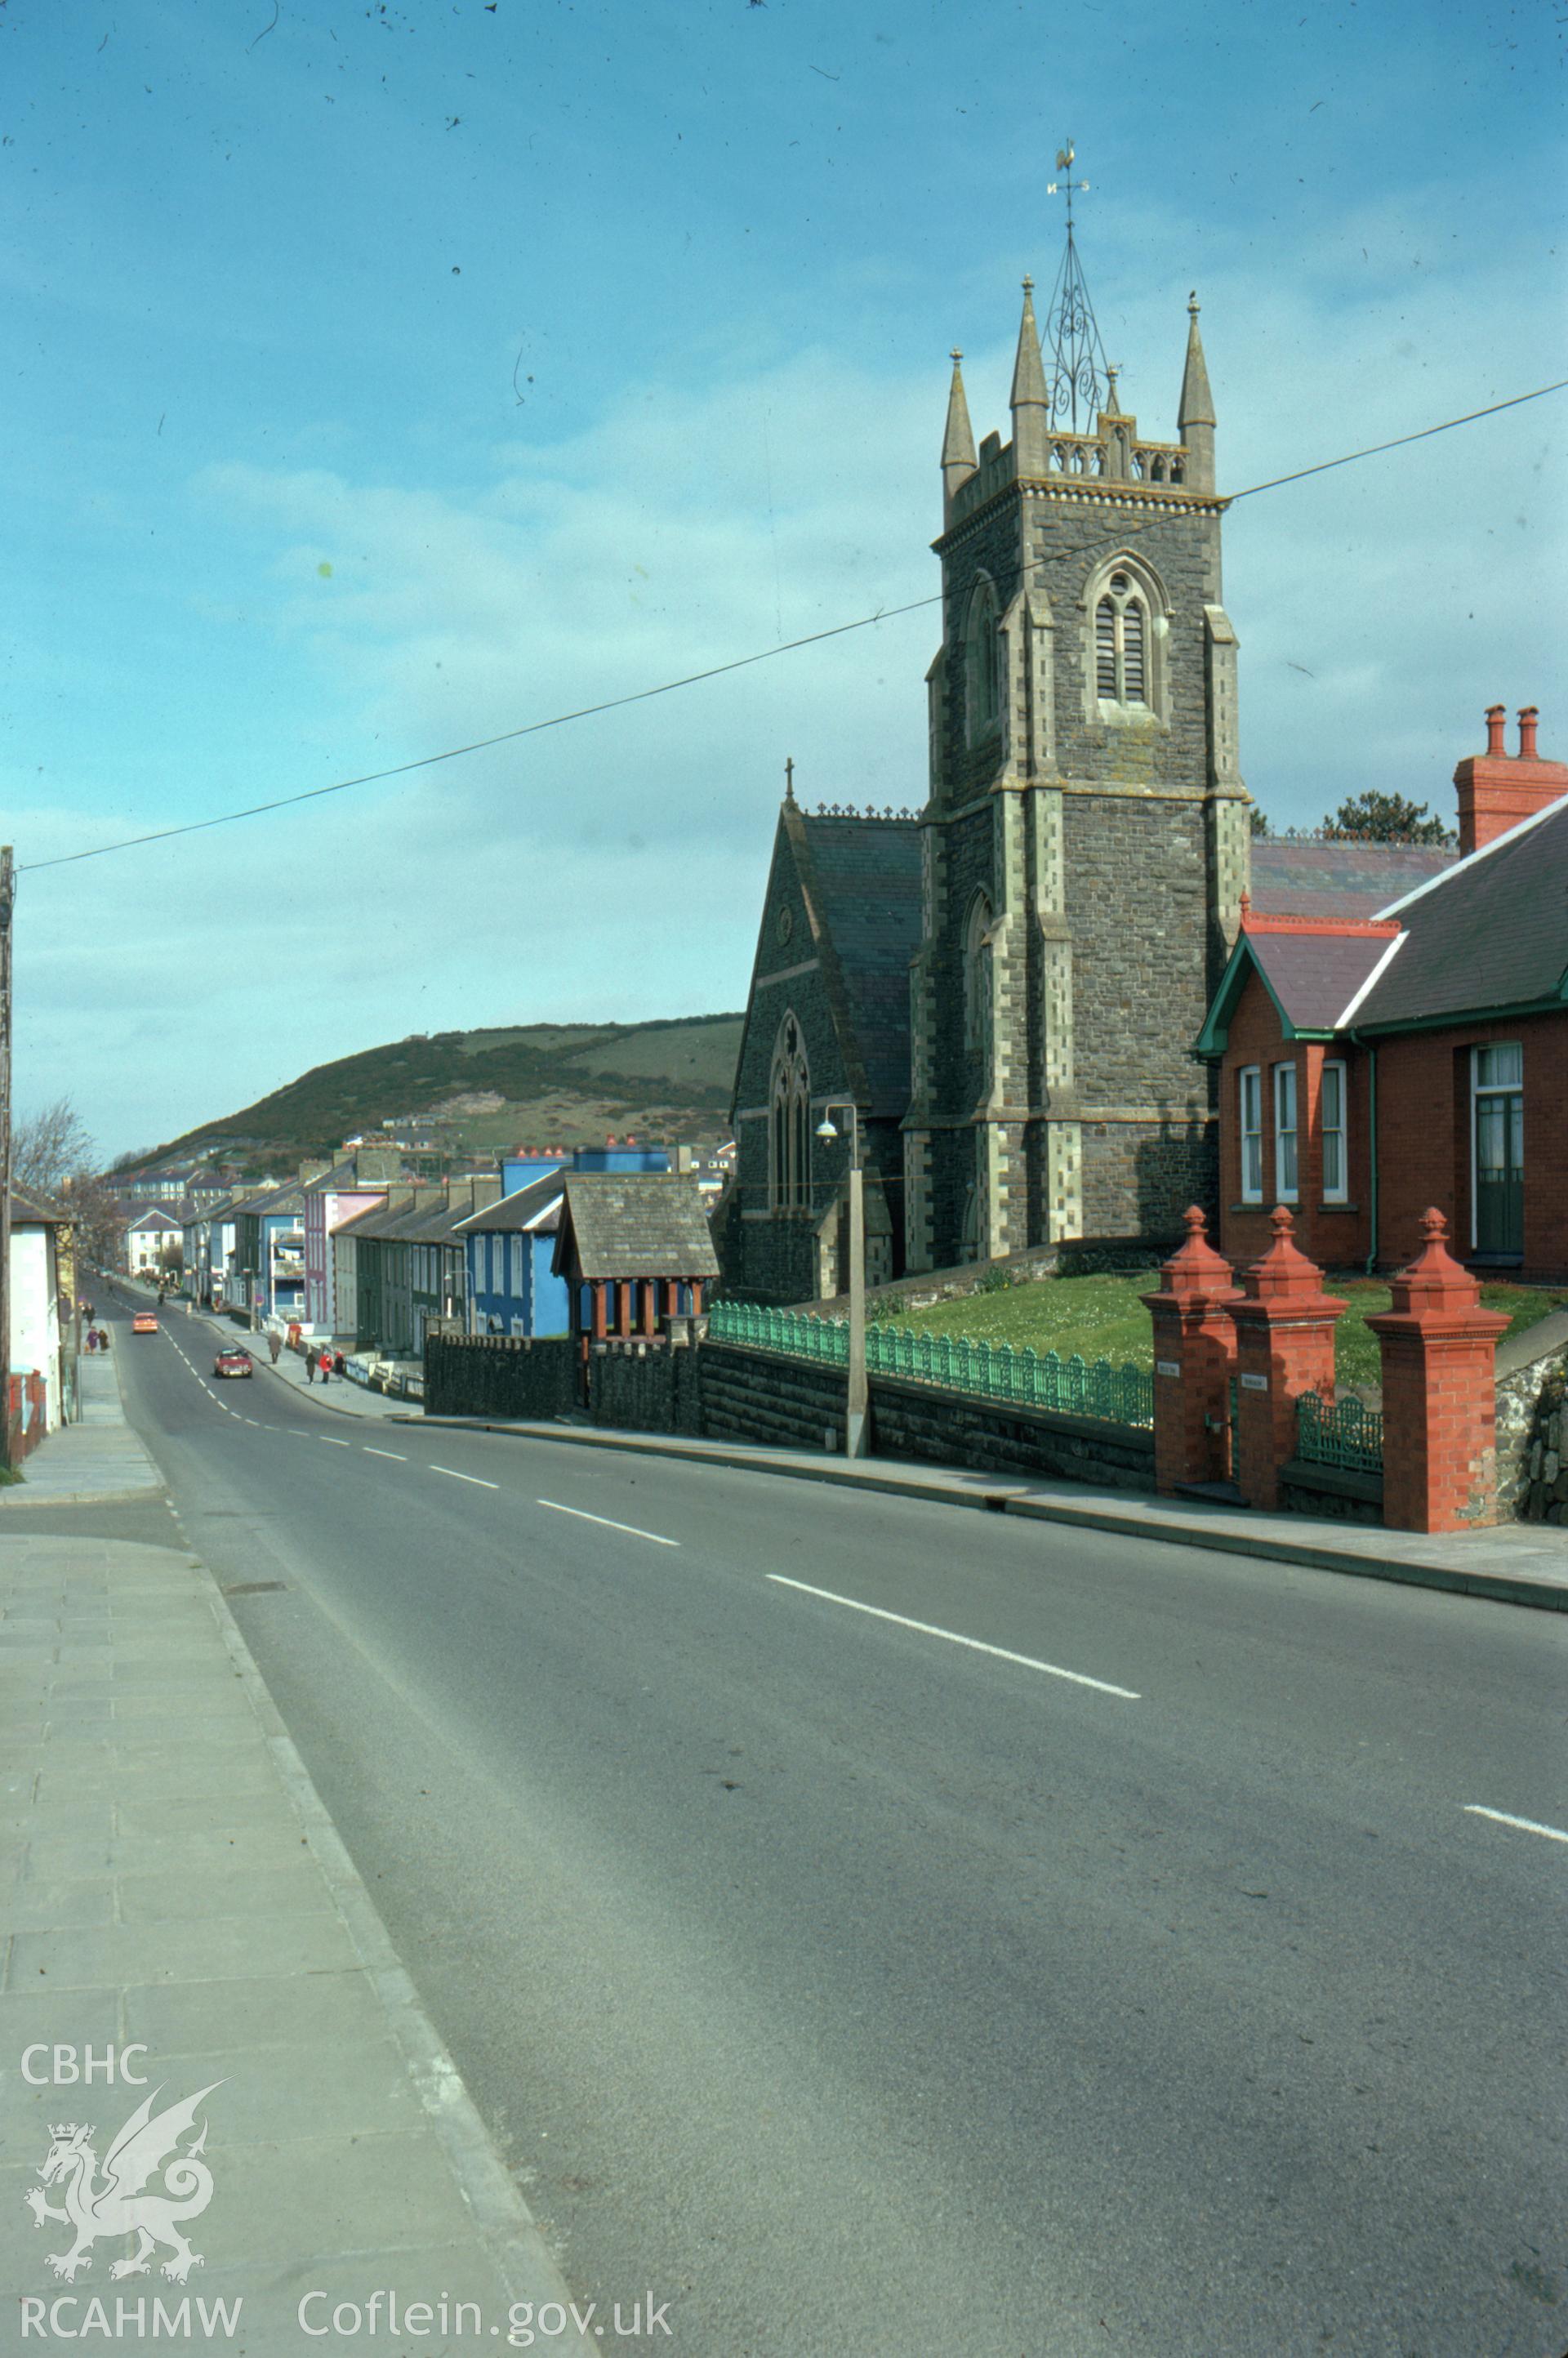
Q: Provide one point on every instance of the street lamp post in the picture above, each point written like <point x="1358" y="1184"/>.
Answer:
<point x="855" y="1408"/>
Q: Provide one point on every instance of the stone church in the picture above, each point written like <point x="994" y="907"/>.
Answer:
<point x="1007" y="985"/>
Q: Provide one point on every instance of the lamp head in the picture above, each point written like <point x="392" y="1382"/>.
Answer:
<point x="824" y="1129"/>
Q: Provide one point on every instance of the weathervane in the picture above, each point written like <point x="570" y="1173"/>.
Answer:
<point x="1079" y="372"/>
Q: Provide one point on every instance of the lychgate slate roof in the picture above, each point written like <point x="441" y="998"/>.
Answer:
<point x="1339" y="880"/>
<point x="635" y="1223"/>
<point x="1492" y="934"/>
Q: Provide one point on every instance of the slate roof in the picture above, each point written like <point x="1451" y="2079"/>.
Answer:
<point x="863" y="876"/>
<point x="274" y="1203"/>
<point x="151" y="1212"/>
<point x="31" y="1211"/>
<point x="439" y="1222"/>
<point x="1315" y="976"/>
<point x="635" y="1223"/>
<point x="1493" y="934"/>
<point x="402" y="1215"/>
<point x="1339" y="880"/>
<point x="535" y="1207"/>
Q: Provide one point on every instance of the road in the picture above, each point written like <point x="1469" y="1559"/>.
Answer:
<point x="1135" y="1976"/>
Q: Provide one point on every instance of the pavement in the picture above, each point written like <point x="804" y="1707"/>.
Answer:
<point x="182" y="1918"/>
<point x="1514" y="1564"/>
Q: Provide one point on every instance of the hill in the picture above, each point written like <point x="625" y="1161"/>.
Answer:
<point x="534" y="1084"/>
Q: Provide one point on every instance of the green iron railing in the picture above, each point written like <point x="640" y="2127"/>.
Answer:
<point x="1120" y="1395"/>
<point x="1345" y="1433"/>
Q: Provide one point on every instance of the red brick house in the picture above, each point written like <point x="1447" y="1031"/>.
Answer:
<point x="1374" y="1065"/>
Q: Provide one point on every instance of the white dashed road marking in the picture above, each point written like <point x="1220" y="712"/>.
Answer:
<point x="583" y="1516"/>
<point x="456" y="1477"/>
<point x="1525" y="1825"/>
<point x="393" y="1454"/>
<point x="976" y="1645"/>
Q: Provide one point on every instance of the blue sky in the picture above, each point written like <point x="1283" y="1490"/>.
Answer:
<point x="381" y="378"/>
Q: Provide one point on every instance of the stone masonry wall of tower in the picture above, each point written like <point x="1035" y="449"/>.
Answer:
<point x="1106" y="837"/>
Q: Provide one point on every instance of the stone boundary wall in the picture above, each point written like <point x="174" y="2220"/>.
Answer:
<point x="726" y="1392"/>
<point x="1345" y="1493"/>
<point x="499" y="1375"/>
<point x="1001" y="1438"/>
<point x="645" y="1387"/>
<point x="1533" y="1429"/>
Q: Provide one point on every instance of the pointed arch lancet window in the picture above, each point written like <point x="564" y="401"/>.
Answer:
<point x="978" y="978"/>
<point x="1121" y="642"/>
<point x="982" y="662"/>
<point x="789" y="1120"/>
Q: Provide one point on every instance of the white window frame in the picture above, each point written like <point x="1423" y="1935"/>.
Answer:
<point x="1286" y="1084"/>
<point x="1479" y="1089"/>
<point x="1249" y="1101"/>
<point x="1341" y="1194"/>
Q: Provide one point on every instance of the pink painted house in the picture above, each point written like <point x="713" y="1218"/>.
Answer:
<point x="332" y="1198"/>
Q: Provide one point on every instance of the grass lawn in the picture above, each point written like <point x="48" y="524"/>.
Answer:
<point x="1103" y="1318"/>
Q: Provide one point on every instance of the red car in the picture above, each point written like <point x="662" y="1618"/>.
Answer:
<point x="144" y="1323"/>
<point x="232" y="1363"/>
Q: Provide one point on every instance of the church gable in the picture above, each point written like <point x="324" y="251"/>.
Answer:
<point x="826" y="1017"/>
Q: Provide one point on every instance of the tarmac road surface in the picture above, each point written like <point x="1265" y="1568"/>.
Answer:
<point x="872" y="1926"/>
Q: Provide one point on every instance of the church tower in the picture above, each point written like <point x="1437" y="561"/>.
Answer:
<point x="1086" y="839"/>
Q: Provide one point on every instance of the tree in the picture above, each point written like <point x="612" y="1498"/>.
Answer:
<point x="1384" y="818"/>
<point x="50" y="1147"/>
<point x="1260" y="820"/>
<point x="52" y="1155"/>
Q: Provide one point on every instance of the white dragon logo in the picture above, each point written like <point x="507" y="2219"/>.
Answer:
<point x="119" y="2207"/>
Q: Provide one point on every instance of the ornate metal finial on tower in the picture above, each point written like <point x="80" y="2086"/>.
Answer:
<point x="789" y="779"/>
<point x="1079" y="373"/>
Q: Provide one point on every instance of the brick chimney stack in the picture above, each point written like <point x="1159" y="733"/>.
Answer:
<point x="1498" y="789"/>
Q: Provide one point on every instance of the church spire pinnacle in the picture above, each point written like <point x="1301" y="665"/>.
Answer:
<point x="1028" y="374"/>
<point x="958" y="441"/>
<point x="1194" y="416"/>
<point x="1031" y="402"/>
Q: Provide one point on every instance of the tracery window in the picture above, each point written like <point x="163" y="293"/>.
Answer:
<point x="1121" y="642"/>
<point x="789" y="1120"/>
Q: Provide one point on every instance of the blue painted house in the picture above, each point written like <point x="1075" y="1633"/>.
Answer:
<point x="512" y="1288"/>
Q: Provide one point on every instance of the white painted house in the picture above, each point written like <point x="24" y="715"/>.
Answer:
<point x="35" y="1298"/>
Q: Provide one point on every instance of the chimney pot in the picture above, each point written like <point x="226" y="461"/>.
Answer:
<point x="1497" y="715"/>
<point x="1526" y="724"/>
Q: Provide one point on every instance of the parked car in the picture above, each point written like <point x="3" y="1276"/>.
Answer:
<point x="232" y="1363"/>
<point x="144" y="1323"/>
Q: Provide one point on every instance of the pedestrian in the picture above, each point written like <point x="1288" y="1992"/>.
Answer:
<point x="337" y="1368"/>
<point x="326" y="1365"/>
<point x="310" y="1366"/>
<point x="91" y="1339"/>
<point x="274" y="1345"/>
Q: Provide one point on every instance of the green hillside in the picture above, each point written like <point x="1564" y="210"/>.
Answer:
<point x="544" y="1084"/>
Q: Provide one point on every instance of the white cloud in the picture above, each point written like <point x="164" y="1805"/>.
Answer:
<point x="614" y="867"/>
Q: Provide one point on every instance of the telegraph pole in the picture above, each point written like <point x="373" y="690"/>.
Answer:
<point x="7" y="897"/>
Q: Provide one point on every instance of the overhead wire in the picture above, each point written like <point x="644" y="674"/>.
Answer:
<point x="763" y="654"/>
